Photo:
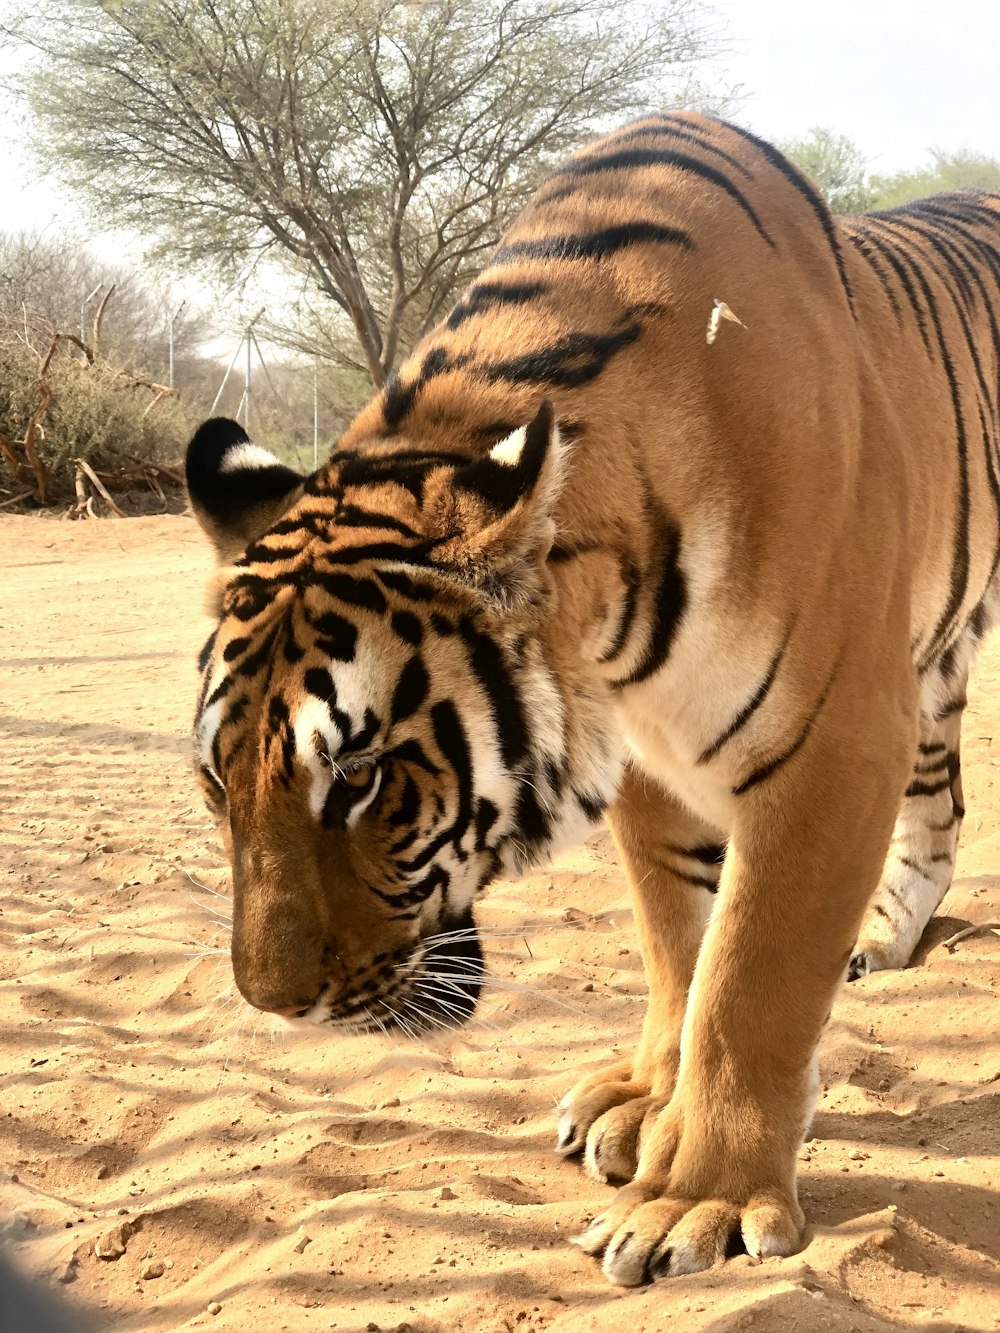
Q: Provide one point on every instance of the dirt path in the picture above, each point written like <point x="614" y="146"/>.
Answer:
<point x="355" y="1184"/>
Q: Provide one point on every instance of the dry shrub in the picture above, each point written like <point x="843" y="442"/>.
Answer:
<point x="114" y="419"/>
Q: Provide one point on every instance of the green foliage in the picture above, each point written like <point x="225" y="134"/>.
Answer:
<point x="840" y="169"/>
<point x="837" y="165"/>
<point x="961" y="170"/>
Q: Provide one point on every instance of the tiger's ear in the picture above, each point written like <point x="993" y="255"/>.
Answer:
<point x="237" y="489"/>
<point x="498" y="510"/>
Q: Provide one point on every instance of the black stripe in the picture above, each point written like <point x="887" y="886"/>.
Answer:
<point x="960" y="567"/>
<point x="488" y="663"/>
<point x="595" y="244"/>
<point x="952" y="254"/>
<point x="412" y="589"/>
<point x="353" y="516"/>
<point x="236" y="712"/>
<point x="365" y="469"/>
<point x="409" y="627"/>
<point x="398" y="398"/>
<point x="234" y="648"/>
<point x="492" y="296"/>
<point x="436" y="878"/>
<point x="898" y="897"/>
<point x="912" y="865"/>
<point x="355" y="555"/>
<point x="631" y="580"/>
<point x="279" y="720"/>
<point x="260" y="554"/>
<point x="205" y="656"/>
<point x="487" y="815"/>
<point x="934" y="766"/>
<point x="412" y="752"/>
<point x="576" y="358"/>
<point x="809" y="192"/>
<point x="766" y="770"/>
<point x="935" y="747"/>
<point x="593" y="807"/>
<point x="532" y="826"/>
<point x="708" y="853"/>
<point x="357" y="741"/>
<point x="253" y="662"/>
<point x="408" y="809"/>
<point x="666" y="127"/>
<point x="944" y="828"/>
<point x="411" y="689"/>
<point x="863" y="248"/>
<point x="667" y="606"/>
<point x="632" y="159"/>
<point x="698" y="881"/>
<point x="926" y="788"/>
<point x="744" y="716"/>
<point x="319" y="682"/>
<point x="355" y="591"/>
<point x="247" y="596"/>
<point x="889" y="255"/>
<point x="291" y="649"/>
<point x="449" y="735"/>
<point x="955" y="775"/>
<point x="335" y="636"/>
<point x="220" y="691"/>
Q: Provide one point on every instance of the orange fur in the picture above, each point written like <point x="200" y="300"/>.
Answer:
<point x="756" y="566"/>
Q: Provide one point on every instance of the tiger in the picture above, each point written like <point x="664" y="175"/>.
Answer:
<point x="686" y="518"/>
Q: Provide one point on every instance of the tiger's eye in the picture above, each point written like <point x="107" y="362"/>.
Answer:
<point x="358" y="777"/>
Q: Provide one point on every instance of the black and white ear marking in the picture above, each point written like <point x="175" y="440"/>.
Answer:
<point x="515" y="468"/>
<point x="237" y="489"/>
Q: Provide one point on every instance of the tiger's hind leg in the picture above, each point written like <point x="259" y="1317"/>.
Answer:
<point x="673" y="861"/>
<point x="921" y="860"/>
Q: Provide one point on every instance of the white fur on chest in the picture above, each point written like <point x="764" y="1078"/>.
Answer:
<point x="716" y="664"/>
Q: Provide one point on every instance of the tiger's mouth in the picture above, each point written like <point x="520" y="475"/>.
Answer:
<point x="435" y="987"/>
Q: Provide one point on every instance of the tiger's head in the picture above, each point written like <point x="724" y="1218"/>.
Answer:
<point x="384" y="722"/>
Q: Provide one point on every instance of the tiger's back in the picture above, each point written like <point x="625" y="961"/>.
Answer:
<point x="850" y="426"/>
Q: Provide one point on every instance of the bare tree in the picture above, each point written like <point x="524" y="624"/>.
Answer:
<point x="46" y="278"/>
<point x="380" y="145"/>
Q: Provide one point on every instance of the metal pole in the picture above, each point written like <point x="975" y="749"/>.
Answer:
<point x="315" y="415"/>
<point x="246" y="392"/>
<point x="225" y="378"/>
<point x="170" y="339"/>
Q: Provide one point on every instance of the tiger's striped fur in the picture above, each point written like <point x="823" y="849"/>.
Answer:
<point x="593" y="549"/>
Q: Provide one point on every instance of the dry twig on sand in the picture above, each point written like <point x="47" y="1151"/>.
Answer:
<point x="983" y="926"/>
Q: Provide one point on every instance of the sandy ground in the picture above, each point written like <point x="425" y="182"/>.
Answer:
<point x="285" y="1183"/>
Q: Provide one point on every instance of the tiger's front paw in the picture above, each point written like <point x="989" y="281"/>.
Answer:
<point x="604" y="1114"/>
<point x="690" y="1206"/>
<point x="590" y="1099"/>
<point x="646" y="1235"/>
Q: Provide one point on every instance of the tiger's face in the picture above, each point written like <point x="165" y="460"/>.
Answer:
<point x="381" y="727"/>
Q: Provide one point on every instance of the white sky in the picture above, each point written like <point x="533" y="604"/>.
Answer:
<point x="897" y="78"/>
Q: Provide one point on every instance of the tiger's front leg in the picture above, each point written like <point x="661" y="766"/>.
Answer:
<point x="673" y="861"/>
<point x="812" y="826"/>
